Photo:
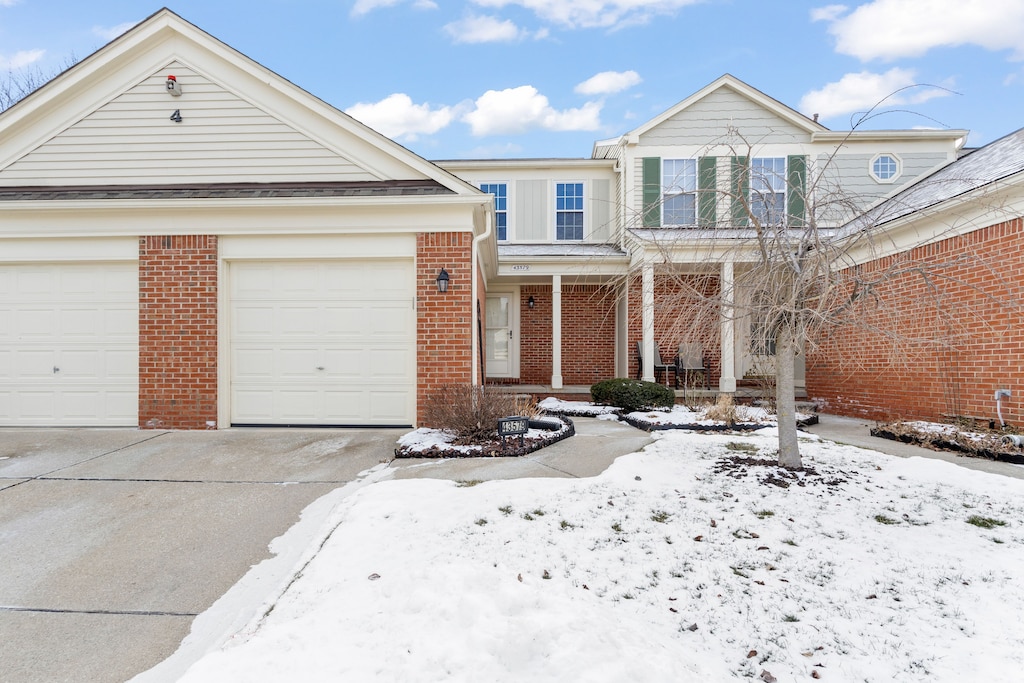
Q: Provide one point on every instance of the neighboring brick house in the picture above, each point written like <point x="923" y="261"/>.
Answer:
<point x="226" y="249"/>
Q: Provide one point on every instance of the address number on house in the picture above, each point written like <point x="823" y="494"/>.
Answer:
<point x="513" y="426"/>
<point x="521" y="266"/>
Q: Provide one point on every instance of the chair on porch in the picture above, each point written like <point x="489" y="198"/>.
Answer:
<point x="659" y="364"/>
<point x="690" y="359"/>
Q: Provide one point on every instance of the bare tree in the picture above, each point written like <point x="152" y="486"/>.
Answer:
<point x="17" y="84"/>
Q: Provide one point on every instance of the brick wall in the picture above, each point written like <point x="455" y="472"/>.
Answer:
<point x="588" y="334"/>
<point x="445" y="323"/>
<point x="680" y="315"/>
<point x="941" y="344"/>
<point x="177" y="331"/>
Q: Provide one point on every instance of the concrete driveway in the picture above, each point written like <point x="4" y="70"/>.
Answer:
<point x="112" y="541"/>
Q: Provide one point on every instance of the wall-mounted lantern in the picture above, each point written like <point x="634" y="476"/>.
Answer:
<point x="530" y="303"/>
<point x="442" y="281"/>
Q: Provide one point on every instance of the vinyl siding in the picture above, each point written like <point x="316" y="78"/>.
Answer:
<point x="222" y="138"/>
<point x="532" y="209"/>
<point x="600" y="211"/>
<point x="709" y="119"/>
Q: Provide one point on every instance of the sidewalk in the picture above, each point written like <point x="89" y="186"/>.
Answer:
<point x="856" y="432"/>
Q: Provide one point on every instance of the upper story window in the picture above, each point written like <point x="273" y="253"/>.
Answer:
<point x="768" y="189"/>
<point x="500" y="192"/>
<point x="679" y="188"/>
<point x="885" y="168"/>
<point x="569" y="211"/>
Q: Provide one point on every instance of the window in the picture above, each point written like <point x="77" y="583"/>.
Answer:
<point x="768" y="190"/>
<point x="885" y="168"/>
<point x="679" y="186"/>
<point x="500" y="192"/>
<point x="569" y="211"/>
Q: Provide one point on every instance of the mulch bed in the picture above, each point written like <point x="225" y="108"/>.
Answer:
<point x="496" y="448"/>
<point x="989" y="448"/>
<point x="768" y="471"/>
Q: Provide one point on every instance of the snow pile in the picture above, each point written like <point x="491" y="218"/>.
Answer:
<point x="694" y="560"/>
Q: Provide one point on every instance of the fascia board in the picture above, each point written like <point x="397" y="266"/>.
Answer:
<point x="957" y="135"/>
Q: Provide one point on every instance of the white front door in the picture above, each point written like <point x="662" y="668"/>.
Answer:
<point x="69" y="345"/>
<point x="501" y="345"/>
<point x="323" y="342"/>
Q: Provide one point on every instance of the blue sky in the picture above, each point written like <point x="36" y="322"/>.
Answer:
<point x="546" y="78"/>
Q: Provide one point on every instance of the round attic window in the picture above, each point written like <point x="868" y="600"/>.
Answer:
<point x="885" y="168"/>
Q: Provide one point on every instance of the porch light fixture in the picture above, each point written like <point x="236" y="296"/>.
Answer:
<point x="442" y="281"/>
<point x="530" y="303"/>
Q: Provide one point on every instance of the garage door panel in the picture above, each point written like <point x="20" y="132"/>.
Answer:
<point x="35" y="323"/>
<point x="330" y="315"/>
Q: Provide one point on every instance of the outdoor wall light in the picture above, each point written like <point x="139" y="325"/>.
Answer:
<point x="442" y="281"/>
<point x="530" y="303"/>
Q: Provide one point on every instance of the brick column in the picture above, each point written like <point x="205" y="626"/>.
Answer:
<point x="445" y="323"/>
<point x="178" y="332"/>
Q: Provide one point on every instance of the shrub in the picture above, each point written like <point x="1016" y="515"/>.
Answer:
<point x="471" y="412"/>
<point x="632" y="394"/>
<point x="723" y="411"/>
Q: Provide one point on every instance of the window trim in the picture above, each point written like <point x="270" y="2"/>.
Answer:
<point x="777" y="212"/>
<point x="583" y="210"/>
<point x="890" y="180"/>
<point x="665" y="194"/>
<point x="508" y="207"/>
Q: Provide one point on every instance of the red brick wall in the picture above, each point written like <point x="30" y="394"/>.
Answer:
<point x="588" y="334"/>
<point x="445" y="323"/>
<point x="680" y="315"/>
<point x="942" y="345"/>
<point x="177" y="331"/>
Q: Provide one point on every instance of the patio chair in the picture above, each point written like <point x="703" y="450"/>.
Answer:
<point x="659" y="364"/>
<point x="691" y="360"/>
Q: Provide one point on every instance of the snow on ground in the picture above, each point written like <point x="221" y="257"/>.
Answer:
<point x="679" y="563"/>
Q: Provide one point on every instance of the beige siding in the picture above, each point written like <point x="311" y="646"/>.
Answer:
<point x="222" y="138"/>
<point x="532" y="210"/>
<point x="708" y="120"/>
<point x="600" y="211"/>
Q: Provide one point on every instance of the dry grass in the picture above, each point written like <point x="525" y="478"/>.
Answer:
<point x="724" y="410"/>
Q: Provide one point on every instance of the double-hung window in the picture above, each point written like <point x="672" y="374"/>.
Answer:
<point x="569" y="211"/>
<point x="679" y="192"/>
<point x="500" y="192"/>
<point x="768" y="190"/>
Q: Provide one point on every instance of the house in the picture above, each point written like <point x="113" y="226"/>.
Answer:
<point x="190" y="241"/>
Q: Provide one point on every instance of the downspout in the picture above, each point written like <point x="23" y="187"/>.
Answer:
<point x="472" y="318"/>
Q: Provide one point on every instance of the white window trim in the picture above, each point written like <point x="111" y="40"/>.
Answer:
<point x="509" y="233"/>
<point x="895" y="176"/>
<point x="785" y="178"/>
<point x="665" y="194"/>
<point x="553" y="213"/>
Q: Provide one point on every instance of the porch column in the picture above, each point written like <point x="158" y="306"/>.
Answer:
<point x="556" y="331"/>
<point x="647" y="320"/>
<point x="727" y="380"/>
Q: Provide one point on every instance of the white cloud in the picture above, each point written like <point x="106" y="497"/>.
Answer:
<point x="9" y="3"/>
<point x="397" y="117"/>
<point x="516" y="110"/>
<point x="21" y="59"/>
<point x="608" y="82"/>
<point x="366" y="6"/>
<point x="111" y="32"/>
<point x="860" y="92"/>
<point x="828" y="13"/>
<point x="484" y="29"/>
<point x="594" y="13"/>
<point x="890" y="29"/>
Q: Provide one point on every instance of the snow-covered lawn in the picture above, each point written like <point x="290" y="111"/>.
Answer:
<point x="689" y="561"/>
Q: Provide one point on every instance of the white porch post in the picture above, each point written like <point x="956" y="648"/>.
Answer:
<point x="647" y="320"/>
<point x="727" y="380"/>
<point x="556" y="331"/>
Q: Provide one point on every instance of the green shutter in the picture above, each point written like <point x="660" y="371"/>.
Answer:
<point x="651" y="217"/>
<point x="796" y="190"/>
<point x="740" y="188"/>
<point x="707" y="190"/>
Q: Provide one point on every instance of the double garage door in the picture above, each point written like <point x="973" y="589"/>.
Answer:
<point x="322" y="342"/>
<point x="69" y="352"/>
<point x="310" y="343"/>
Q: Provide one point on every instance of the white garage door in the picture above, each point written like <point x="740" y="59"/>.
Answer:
<point x="323" y="342"/>
<point x="69" y="345"/>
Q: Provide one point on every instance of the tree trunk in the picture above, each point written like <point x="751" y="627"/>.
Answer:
<point x="785" y="400"/>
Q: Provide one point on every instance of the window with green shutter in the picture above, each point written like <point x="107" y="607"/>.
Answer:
<point x="740" y="189"/>
<point x="651" y="216"/>
<point x="796" y="190"/>
<point x="707" y="190"/>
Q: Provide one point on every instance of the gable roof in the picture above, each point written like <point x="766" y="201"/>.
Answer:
<point x="163" y="39"/>
<point x="995" y="163"/>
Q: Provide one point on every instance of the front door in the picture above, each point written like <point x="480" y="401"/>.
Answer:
<point x="500" y="342"/>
